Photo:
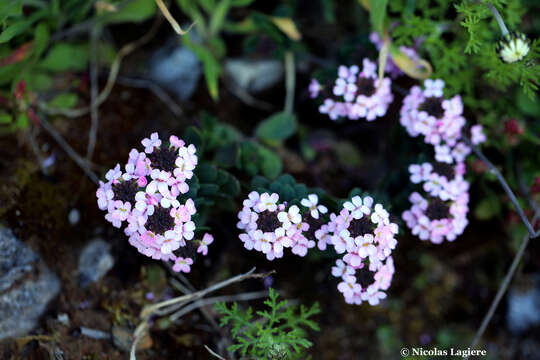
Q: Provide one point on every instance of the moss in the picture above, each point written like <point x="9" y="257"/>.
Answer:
<point x="15" y="177"/>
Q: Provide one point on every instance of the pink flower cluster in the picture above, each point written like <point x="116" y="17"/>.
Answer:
<point x="442" y="212"/>
<point x="356" y="94"/>
<point x="363" y="232"/>
<point x="425" y="112"/>
<point x="270" y="226"/>
<point x="144" y="198"/>
<point x="391" y="68"/>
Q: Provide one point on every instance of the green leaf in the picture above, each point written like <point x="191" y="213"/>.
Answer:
<point x="22" y="120"/>
<point x="231" y="187"/>
<point x="270" y="163"/>
<point x="227" y="156"/>
<point x="241" y="2"/>
<point x="192" y="135"/>
<point x="10" y="8"/>
<point x="487" y="208"/>
<point x="207" y="173"/>
<point x="5" y="118"/>
<point x="208" y="189"/>
<point x="377" y="14"/>
<point x="135" y="11"/>
<point x="21" y="25"/>
<point x="211" y="66"/>
<point x="66" y="57"/>
<point x="13" y="30"/>
<point x="41" y="38"/>
<point x="277" y="127"/>
<point x="63" y="101"/>
<point x="218" y="16"/>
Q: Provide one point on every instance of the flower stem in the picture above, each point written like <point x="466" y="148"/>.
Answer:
<point x="498" y="18"/>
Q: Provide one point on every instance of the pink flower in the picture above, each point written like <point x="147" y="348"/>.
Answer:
<point x="357" y="208"/>
<point x="323" y="236"/>
<point x="263" y="241"/>
<point x="342" y="269"/>
<point x="170" y="242"/>
<point x="349" y="286"/>
<point x="150" y="144"/>
<point x="145" y="202"/>
<point x="345" y="89"/>
<point x="267" y="202"/>
<point x="434" y="87"/>
<point x="420" y="173"/>
<point x="203" y="245"/>
<point x="365" y="246"/>
<point x="314" y="88"/>
<point x="380" y="215"/>
<point x="176" y="142"/>
<point x="121" y="210"/>
<point x="183" y="264"/>
<point x="460" y="152"/>
<point x="312" y="204"/>
<point x="442" y="154"/>
<point x="348" y="73"/>
<point x="252" y="200"/>
<point x="477" y="134"/>
<point x="290" y="217"/>
<point x="113" y="174"/>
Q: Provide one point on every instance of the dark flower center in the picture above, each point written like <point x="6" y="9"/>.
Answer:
<point x="433" y="106"/>
<point x="365" y="277"/>
<point x="268" y="221"/>
<point x="163" y="159"/>
<point x="190" y="250"/>
<point x="314" y="225"/>
<point x="125" y="191"/>
<point x="437" y="210"/>
<point x="365" y="86"/>
<point x="160" y="221"/>
<point x="445" y="170"/>
<point x="360" y="227"/>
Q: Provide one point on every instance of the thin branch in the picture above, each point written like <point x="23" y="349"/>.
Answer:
<point x="246" y="97"/>
<point x="522" y="186"/>
<point x="213" y="353"/>
<point x="172" y="304"/>
<point x="503" y="287"/>
<point x="228" y="298"/>
<point x="69" y="150"/>
<point x="290" y="79"/>
<point x="155" y="89"/>
<point x="505" y="186"/>
<point x="171" y="19"/>
<point x="35" y="148"/>
<point x="94" y="114"/>
<point x="113" y="73"/>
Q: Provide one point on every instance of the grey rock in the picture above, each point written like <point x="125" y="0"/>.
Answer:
<point x="94" y="262"/>
<point x="524" y="304"/>
<point x="254" y="75"/>
<point x="176" y="68"/>
<point x="26" y="286"/>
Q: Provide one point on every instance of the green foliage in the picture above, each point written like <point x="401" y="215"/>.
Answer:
<point x="461" y="55"/>
<point x="210" y="19"/>
<point x="277" y="127"/>
<point x="277" y="333"/>
<point x="377" y="14"/>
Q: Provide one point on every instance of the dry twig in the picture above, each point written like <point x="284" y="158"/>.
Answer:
<point x="171" y="305"/>
<point x="111" y="80"/>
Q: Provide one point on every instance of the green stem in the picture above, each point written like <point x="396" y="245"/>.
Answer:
<point x="498" y="18"/>
<point x="290" y="79"/>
